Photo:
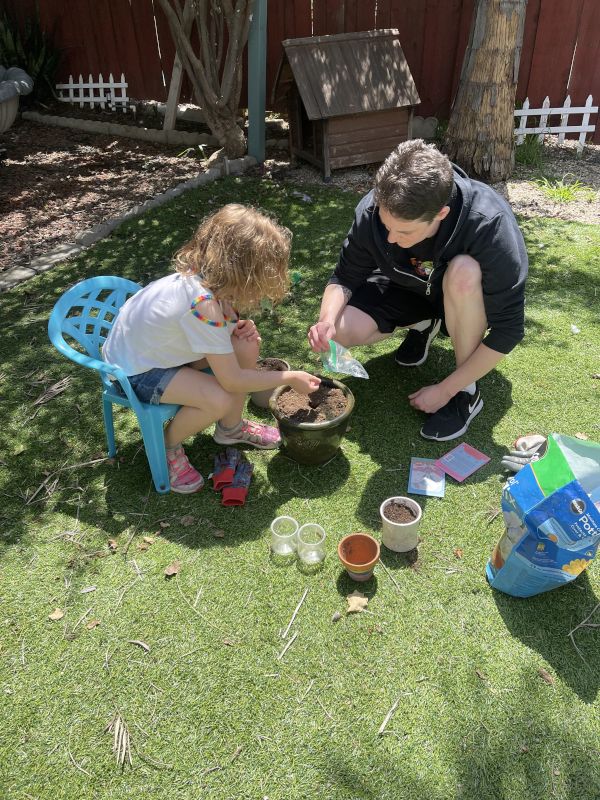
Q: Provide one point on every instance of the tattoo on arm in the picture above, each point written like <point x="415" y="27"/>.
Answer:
<point x="347" y="293"/>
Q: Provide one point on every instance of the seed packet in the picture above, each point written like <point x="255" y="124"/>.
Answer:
<point x="462" y="461"/>
<point x="426" y="478"/>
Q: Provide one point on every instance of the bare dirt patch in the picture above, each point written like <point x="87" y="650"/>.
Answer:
<point x="56" y="182"/>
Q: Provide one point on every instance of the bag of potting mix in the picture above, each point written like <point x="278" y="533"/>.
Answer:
<point x="552" y="514"/>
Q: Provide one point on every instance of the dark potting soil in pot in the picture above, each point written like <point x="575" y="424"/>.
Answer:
<point x="398" y="512"/>
<point x="271" y="365"/>
<point x="324" y="404"/>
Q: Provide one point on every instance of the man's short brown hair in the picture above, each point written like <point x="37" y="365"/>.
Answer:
<point x="415" y="181"/>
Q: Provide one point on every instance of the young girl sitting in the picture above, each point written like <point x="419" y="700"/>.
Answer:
<point x="180" y="340"/>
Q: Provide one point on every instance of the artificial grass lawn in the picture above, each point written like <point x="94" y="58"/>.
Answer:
<point x="212" y="711"/>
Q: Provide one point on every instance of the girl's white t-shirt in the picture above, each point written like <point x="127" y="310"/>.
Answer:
<point x="156" y="328"/>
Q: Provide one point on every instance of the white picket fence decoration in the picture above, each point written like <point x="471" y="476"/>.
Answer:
<point x="565" y="112"/>
<point x="82" y="92"/>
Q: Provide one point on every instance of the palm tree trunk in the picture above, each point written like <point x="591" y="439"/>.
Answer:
<point x="480" y="133"/>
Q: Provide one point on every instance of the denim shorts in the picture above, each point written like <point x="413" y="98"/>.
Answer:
<point x="149" y="386"/>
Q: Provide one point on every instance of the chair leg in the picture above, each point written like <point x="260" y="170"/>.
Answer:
<point x="107" y="412"/>
<point x="154" y="442"/>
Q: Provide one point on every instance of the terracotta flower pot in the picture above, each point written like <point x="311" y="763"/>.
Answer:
<point x="359" y="552"/>
<point x="400" y="536"/>
<point x="261" y="399"/>
<point x="312" y="442"/>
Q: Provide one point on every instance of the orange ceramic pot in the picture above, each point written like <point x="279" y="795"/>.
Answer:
<point x="359" y="552"/>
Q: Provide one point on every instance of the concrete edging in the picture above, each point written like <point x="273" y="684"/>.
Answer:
<point x="16" y="275"/>
<point x="184" y="138"/>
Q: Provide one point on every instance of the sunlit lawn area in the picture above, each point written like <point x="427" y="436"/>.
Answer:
<point x="191" y="663"/>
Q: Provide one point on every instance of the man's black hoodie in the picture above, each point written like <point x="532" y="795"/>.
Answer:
<point x="480" y="224"/>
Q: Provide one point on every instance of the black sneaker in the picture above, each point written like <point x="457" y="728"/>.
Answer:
<point x="453" y="419"/>
<point x="413" y="350"/>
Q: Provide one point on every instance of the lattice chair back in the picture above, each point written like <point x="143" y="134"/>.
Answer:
<point x="84" y="315"/>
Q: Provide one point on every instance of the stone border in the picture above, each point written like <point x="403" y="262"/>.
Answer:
<point x="83" y="239"/>
<point x="184" y="138"/>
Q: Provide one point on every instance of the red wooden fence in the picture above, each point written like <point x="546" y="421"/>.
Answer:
<point x="561" y="47"/>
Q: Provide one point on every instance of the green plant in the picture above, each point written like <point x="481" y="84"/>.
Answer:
<point x="530" y="152"/>
<point x="31" y="49"/>
<point x="562" y="191"/>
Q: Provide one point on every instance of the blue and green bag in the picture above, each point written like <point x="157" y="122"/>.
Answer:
<point x="551" y="510"/>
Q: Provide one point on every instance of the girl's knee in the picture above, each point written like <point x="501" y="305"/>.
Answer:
<point x="462" y="277"/>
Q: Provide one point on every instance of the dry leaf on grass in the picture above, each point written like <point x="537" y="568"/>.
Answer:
<point x="336" y="616"/>
<point x="480" y="674"/>
<point x="149" y="540"/>
<point x="219" y="534"/>
<point x="545" y="675"/>
<point x="357" y="602"/>
<point x="145" y="647"/>
<point x="143" y="546"/>
<point x="172" y="569"/>
<point x="52" y="391"/>
<point x="87" y="589"/>
<point x="187" y="520"/>
<point x="57" y="614"/>
<point x="164" y="524"/>
<point x="458" y="552"/>
<point x="93" y="623"/>
<point x="583" y="436"/>
<point x="113" y="545"/>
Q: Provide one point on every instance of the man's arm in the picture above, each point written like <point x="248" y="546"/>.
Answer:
<point x="431" y="398"/>
<point x="335" y="299"/>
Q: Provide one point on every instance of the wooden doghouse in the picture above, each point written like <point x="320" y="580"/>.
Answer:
<point x="350" y="97"/>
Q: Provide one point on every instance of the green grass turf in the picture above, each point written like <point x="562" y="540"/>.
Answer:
<point x="474" y="718"/>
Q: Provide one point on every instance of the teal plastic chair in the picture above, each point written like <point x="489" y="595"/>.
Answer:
<point x="86" y="313"/>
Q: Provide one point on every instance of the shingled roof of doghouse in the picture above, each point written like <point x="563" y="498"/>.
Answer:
<point x="347" y="73"/>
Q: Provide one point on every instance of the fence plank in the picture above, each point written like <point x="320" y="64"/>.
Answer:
<point x="585" y="75"/>
<point x="145" y="37"/>
<point x="128" y="57"/>
<point x="555" y="42"/>
<point x="409" y="17"/>
<point x="440" y="37"/>
<point x="529" y="35"/>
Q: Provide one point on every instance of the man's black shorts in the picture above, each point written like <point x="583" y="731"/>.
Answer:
<point x="393" y="306"/>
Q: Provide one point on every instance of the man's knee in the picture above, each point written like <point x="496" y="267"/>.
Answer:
<point x="462" y="277"/>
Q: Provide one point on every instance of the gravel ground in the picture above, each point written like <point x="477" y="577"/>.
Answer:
<point x="56" y="182"/>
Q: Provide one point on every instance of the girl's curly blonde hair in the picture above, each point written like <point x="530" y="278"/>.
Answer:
<point x="240" y="254"/>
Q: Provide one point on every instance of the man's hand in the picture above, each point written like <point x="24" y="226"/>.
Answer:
<point x="430" y="398"/>
<point x="246" y="329"/>
<point x="319" y="336"/>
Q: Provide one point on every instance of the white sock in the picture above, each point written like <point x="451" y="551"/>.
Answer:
<point x="421" y="326"/>
<point x="471" y="388"/>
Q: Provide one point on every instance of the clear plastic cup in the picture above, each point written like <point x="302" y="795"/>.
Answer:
<point x="311" y="544"/>
<point x="283" y="536"/>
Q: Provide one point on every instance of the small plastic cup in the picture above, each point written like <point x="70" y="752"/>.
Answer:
<point x="283" y="536"/>
<point x="311" y="544"/>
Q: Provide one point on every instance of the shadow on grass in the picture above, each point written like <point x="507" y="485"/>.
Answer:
<point x="539" y="623"/>
<point x="387" y="428"/>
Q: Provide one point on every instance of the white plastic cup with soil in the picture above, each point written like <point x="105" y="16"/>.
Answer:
<point x="261" y="399"/>
<point x="312" y="426"/>
<point x="400" y="518"/>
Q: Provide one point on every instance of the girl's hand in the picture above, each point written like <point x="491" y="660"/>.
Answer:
<point x="303" y="382"/>
<point x="246" y="329"/>
<point x="319" y="336"/>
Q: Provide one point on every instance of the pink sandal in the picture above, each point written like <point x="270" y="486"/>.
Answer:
<point x="183" y="477"/>
<point x="265" y="437"/>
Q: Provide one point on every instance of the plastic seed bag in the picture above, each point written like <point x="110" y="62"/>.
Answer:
<point x="338" y="359"/>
